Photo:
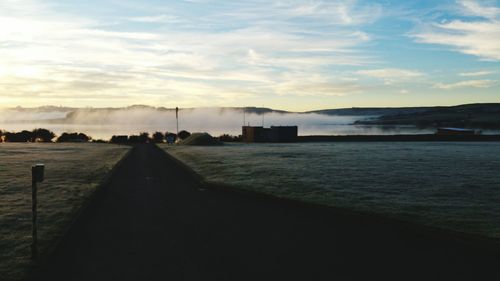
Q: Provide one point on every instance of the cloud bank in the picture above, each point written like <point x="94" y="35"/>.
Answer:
<point x="297" y="55"/>
<point x="165" y="55"/>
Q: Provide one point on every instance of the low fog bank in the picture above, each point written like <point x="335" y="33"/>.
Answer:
<point x="103" y="123"/>
<point x="22" y="115"/>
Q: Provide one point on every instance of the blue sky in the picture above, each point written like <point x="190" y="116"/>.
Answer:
<point x="294" y="55"/>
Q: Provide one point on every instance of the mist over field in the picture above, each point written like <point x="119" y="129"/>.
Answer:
<point x="105" y="122"/>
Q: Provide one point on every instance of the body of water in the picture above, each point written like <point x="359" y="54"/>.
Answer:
<point x="106" y="131"/>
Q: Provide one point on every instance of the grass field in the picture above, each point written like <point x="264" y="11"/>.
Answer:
<point x="447" y="185"/>
<point x="72" y="172"/>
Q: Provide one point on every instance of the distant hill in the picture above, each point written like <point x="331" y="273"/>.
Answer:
<point x="465" y="116"/>
<point x="370" y="111"/>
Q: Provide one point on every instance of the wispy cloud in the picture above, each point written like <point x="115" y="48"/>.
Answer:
<point x="478" y="36"/>
<point x="391" y="75"/>
<point x="302" y="84"/>
<point x="466" y="84"/>
<point x="476" y="73"/>
<point x="156" y="19"/>
<point x="474" y="8"/>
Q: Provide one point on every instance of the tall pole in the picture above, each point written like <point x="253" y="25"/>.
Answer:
<point x="177" y="119"/>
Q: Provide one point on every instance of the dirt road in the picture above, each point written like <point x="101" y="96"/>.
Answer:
<point x="154" y="221"/>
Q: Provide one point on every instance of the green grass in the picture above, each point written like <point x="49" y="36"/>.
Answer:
<point x="455" y="186"/>
<point x="72" y="172"/>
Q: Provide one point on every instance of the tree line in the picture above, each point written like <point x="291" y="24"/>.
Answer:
<point x="159" y="137"/>
<point x="44" y="135"/>
<point x="156" y="137"/>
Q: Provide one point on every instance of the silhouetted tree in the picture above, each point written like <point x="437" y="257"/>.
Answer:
<point x="184" y="135"/>
<point x="134" y="139"/>
<point x="144" y="137"/>
<point x="170" y="137"/>
<point x="158" y="137"/>
<point x="229" y="138"/>
<point x="84" y="137"/>
<point x="73" y="137"/>
<point x="119" y="139"/>
<point x="23" y="136"/>
<point x="42" y="135"/>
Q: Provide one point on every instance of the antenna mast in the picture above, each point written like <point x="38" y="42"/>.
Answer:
<point x="177" y="119"/>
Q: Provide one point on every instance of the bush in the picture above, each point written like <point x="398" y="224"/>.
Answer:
<point x="119" y="139"/>
<point x="134" y="139"/>
<point x="42" y="135"/>
<point x="229" y="138"/>
<point x="144" y="137"/>
<point x="158" y="137"/>
<point x="73" y="137"/>
<point x="184" y="134"/>
<point x="23" y="136"/>
<point x="170" y="137"/>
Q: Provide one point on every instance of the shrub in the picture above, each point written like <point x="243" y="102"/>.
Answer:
<point x="229" y="138"/>
<point x="73" y="137"/>
<point x="42" y="135"/>
<point x="23" y="136"/>
<point x="144" y="137"/>
<point x="158" y="137"/>
<point x="184" y="134"/>
<point x="121" y="139"/>
<point x="170" y="137"/>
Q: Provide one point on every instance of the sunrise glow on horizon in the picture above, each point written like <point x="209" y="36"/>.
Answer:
<point x="290" y="55"/>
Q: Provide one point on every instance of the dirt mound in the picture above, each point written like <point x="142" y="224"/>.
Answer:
<point x="201" y="139"/>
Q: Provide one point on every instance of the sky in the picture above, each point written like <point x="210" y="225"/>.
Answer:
<point x="290" y="55"/>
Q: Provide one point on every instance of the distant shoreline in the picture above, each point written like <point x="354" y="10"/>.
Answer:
<point x="405" y="138"/>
